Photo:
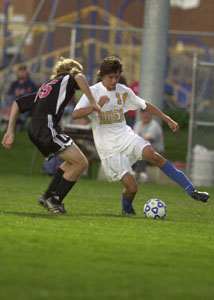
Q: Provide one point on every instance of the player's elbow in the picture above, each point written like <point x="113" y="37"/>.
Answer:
<point x="79" y="78"/>
<point x="79" y="75"/>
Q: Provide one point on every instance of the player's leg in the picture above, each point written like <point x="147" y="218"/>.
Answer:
<point x="75" y="163"/>
<point x="118" y="168"/>
<point x="52" y="186"/>
<point x="54" y="183"/>
<point x="128" y="194"/>
<point x="150" y="155"/>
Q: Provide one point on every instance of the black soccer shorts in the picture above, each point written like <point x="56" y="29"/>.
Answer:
<point x="48" y="138"/>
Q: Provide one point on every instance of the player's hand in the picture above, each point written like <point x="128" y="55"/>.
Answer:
<point x="7" y="140"/>
<point x="96" y="107"/>
<point x="103" y="100"/>
<point x="173" y="125"/>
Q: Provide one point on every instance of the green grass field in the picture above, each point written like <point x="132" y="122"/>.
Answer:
<point x="93" y="252"/>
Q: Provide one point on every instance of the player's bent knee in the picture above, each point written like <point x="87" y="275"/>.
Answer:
<point x="132" y="188"/>
<point x="83" y="163"/>
<point x="156" y="159"/>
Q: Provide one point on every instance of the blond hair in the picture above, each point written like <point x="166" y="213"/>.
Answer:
<point x="66" y="66"/>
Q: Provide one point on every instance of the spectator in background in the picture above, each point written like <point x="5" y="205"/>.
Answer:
<point x="151" y="131"/>
<point x="23" y="85"/>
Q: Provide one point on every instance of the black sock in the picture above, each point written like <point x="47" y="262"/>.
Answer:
<point x="63" y="188"/>
<point x="54" y="183"/>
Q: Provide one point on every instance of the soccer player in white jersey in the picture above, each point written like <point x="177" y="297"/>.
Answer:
<point x="118" y="146"/>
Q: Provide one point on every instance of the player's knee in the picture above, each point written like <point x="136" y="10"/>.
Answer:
<point x="156" y="159"/>
<point x="133" y="187"/>
<point x="83" y="163"/>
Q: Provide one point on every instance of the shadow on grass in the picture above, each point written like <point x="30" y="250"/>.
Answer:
<point x="105" y="216"/>
<point x="54" y="216"/>
<point x="31" y="215"/>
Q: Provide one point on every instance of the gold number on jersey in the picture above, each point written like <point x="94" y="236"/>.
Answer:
<point x="124" y="97"/>
<point x="119" y="99"/>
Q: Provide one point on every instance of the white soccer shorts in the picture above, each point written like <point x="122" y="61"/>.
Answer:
<point x="117" y="165"/>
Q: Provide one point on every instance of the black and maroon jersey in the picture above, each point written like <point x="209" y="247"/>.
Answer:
<point x="46" y="107"/>
<point x="26" y="102"/>
<point x="50" y="99"/>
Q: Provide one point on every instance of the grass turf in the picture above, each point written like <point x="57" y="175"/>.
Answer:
<point x="93" y="252"/>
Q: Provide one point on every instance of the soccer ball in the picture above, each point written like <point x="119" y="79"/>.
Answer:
<point x="155" y="209"/>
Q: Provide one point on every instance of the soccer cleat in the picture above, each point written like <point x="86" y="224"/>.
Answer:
<point x="129" y="212"/>
<point x="55" y="207"/>
<point x="42" y="200"/>
<point x="200" y="196"/>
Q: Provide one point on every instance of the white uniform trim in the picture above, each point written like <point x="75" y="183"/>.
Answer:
<point x="67" y="140"/>
<point x="62" y="92"/>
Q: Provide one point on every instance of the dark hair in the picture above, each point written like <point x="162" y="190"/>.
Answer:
<point x="110" y="64"/>
<point x="22" y="67"/>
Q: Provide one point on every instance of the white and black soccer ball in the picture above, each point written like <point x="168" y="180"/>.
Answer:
<point x="155" y="209"/>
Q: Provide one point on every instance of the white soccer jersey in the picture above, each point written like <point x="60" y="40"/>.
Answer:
<point x="111" y="133"/>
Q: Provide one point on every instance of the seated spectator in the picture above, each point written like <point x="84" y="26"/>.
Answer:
<point x="21" y="86"/>
<point x="87" y="146"/>
<point x="51" y="166"/>
<point x="151" y="131"/>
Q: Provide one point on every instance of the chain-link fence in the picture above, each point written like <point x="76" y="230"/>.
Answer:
<point x="200" y="166"/>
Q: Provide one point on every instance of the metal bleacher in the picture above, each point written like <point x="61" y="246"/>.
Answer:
<point x="125" y="44"/>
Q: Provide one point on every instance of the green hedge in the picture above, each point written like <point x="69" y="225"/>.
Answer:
<point x="179" y="115"/>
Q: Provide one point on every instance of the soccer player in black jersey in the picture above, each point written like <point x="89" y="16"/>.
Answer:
<point x="47" y="106"/>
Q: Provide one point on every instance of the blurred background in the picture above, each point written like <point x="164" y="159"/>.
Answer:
<point x="34" y="34"/>
<point x="53" y="28"/>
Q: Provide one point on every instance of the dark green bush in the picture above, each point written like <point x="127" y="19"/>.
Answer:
<point x="179" y="115"/>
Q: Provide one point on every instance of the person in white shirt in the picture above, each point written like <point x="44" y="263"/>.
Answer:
<point x="151" y="131"/>
<point x="118" y="146"/>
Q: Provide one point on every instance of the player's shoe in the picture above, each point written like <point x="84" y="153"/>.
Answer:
<point x="55" y="207"/>
<point x="200" y="196"/>
<point x="42" y="200"/>
<point x="129" y="212"/>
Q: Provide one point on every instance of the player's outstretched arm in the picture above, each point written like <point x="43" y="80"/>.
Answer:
<point x="156" y="112"/>
<point x="84" y="86"/>
<point x="84" y="112"/>
<point x="8" y="138"/>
